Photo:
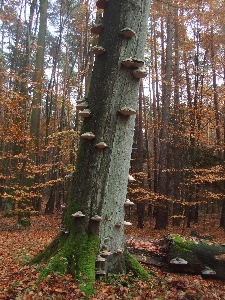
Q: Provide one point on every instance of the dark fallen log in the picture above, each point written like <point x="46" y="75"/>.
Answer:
<point x="203" y="257"/>
<point x="186" y="255"/>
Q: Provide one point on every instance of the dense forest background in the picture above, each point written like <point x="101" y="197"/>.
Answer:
<point x="46" y="63"/>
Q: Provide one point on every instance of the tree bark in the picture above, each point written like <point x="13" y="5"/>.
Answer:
<point x="101" y="175"/>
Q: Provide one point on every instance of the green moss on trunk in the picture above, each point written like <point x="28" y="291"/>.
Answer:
<point x="86" y="252"/>
<point x="180" y="244"/>
<point x="77" y="257"/>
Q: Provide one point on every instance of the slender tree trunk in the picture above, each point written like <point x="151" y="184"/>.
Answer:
<point x="38" y="77"/>
<point x="177" y="211"/>
<point x="215" y="96"/>
<point x="156" y="114"/>
<point x="37" y="93"/>
<point x="139" y="158"/>
<point x="161" y="210"/>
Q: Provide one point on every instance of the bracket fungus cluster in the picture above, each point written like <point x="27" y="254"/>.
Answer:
<point x="97" y="28"/>
<point x="85" y="113"/>
<point x="131" y="178"/>
<point x="88" y="135"/>
<point x="105" y="253"/>
<point x="101" y="145"/>
<point x="100" y="272"/>
<point x="140" y="73"/>
<point x="96" y="218"/>
<point x="84" y="99"/>
<point x="127" y="111"/>
<point x="208" y="272"/>
<point x="133" y="62"/>
<point x="126" y="223"/>
<point x="78" y="214"/>
<point x="119" y="251"/>
<point x="101" y="4"/>
<point x="128" y="203"/>
<point x="98" y="50"/>
<point x="118" y="224"/>
<point x="100" y="259"/>
<point x="127" y="32"/>
<point x="178" y="261"/>
<point x="82" y="105"/>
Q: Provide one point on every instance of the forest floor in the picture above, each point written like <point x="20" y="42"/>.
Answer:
<point x="19" y="245"/>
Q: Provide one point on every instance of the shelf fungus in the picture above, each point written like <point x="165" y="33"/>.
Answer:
<point x="81" y="100"/>
<point x="85" y="113"/>
<point x="105" y="253"/>
<point x="81" y="106"/>
<point x="208" y="272"/>
<point x="88" y="135"/>
<point x="127" y="62"/>
<point x="96" y="218"/>
<point x="119" y="251"/>
<point x="118" y="224"/>
<point x="128" y="203"/>
<point x="178" y="261"/>
<point x="101" y="4"/>
<point x="98" y="50"/>
<point x="127" y="111"/>
<point x="131" y="178"/>
<point x="96" y="28"/>
<point x="127" y="32"/>
<point x="140" y="73"/>
<point x="100" y="272"/>
<point x="138" y="63"/>
<point x="101" y="145"/>
<point x="126" y="223"/>
<point x="78" y="214"/>
<point x="100" y="259"/>
<point x="133" y="62"/>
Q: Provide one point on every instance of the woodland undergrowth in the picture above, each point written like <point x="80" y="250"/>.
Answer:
<point x="18" y="281"/>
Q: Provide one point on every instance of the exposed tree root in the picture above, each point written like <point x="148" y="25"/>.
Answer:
<point x="133" y="265"/>
<point x="77" y="256"/>
<point x="73" y="256"/>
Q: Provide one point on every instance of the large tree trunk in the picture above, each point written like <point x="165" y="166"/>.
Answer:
<point x="101" y="175"/>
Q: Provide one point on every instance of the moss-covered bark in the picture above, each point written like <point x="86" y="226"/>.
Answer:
<point x="101" y="175"/>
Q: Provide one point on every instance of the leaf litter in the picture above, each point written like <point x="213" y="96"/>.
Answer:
<point x="18" y="245"/>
